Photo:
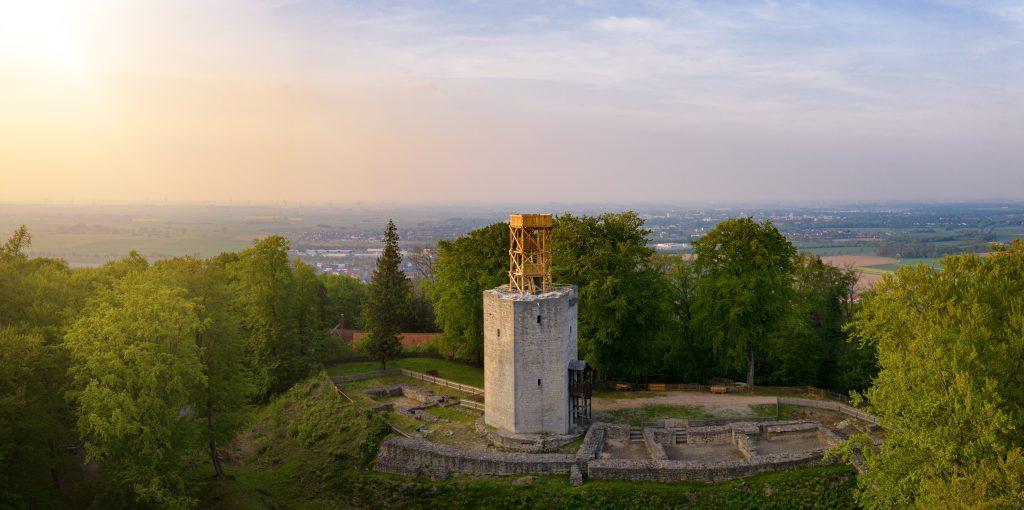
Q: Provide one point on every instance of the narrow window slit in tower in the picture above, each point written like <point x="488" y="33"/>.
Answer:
<point x="538" y="319"/>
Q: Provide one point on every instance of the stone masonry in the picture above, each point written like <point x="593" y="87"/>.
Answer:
<point x="529" y="340"/>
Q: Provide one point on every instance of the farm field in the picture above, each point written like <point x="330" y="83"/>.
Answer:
<point x="872" y="268"/>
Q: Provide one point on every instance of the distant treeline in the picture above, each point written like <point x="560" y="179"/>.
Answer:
<point x="930" y="248"/>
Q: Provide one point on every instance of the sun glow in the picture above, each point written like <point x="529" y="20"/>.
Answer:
<point x="41" y="35"/>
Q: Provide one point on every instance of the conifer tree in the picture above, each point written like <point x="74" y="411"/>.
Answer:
<point x="387" y="301"/>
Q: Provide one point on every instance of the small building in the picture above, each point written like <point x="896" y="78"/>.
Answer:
<point x="355" y="337"/>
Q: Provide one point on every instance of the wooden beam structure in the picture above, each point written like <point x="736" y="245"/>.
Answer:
<point x="530" y="252"/>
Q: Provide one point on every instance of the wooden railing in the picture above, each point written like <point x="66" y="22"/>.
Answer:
<point x="473" y="390"/>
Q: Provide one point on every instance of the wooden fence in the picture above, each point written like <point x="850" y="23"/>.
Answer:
<point x="791" y="390"/>
<point x="473" y="390"/>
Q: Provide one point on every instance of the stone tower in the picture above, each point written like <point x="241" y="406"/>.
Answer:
<point x="530" y="329"/>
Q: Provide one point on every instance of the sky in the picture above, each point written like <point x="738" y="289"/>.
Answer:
<point x="292" y="101"/>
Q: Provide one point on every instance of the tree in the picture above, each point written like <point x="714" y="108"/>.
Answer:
<point x="16" y="245"/>
<point x="419" y="317"/>
<point x="345" y="297"/>
<point x="36" y="299"/>
<point x="950" y="390"/>
<point x="138" y="379"/>
<point x="263" y="284"/>
<point x="810" y="345"/>
<point x="387" y="301"/>
<point x="222" y="346"/>
<point x="464" y="269"/>
<point x="624" y="298"/>
<point x="30" y="373"/>
<point x="743" y="290"/>
<point x="309" y="305"/>
<point x="685" y="359"/>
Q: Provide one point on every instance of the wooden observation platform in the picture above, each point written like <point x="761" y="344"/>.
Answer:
<point x="530" y="251"/>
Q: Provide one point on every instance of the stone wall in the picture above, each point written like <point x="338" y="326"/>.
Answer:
<point x="745" y="446"/>
<point x="654" y="448"/>
<point x="592" y="444"/>
<point x="789" y="429"/>
<point x="714" y="434"/>
<point x="616" y="431"/>
<point x="671" y="471"/>
<point x="834" y="406"/>
<point x="415" y="457"/>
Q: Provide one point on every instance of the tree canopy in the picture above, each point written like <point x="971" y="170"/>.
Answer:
<point x="623" y="310"/>
<point x="744" y="289"/>
<point x="465" y="268"/>
<point x="950" y="390"/>
<point x="138" y="377"/>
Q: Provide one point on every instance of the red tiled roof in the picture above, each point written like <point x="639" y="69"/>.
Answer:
<point x="407" y="339"/>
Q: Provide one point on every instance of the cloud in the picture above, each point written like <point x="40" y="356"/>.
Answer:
<point x="627" y="24"/>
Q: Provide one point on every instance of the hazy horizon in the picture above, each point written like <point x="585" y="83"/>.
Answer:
<point x="293" y="102"/>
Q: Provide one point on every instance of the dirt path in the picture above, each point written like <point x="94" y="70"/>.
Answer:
<point x="717" y="404"/>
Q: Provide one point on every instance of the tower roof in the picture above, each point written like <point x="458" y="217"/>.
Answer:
<point x="529" y="220"/>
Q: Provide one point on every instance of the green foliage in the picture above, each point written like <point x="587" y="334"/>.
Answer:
<point x="137" y="376"/>
<point x="744" y="289"/>
<point x="950" y="390"/>
<point x="419" y="315"/>
<point x="346" y="296"/>
<point x="222" y="345"/>
<point x="387" y="302"/>
<point x="465" y="268"/>
<point x="281" y="312"/>
<point x="685" y="357"/>
<point x="812" y="344"/>
<point x="14" y="248"/>
<point x="35" y="299"/>
<point x="828" y="487"/>
<point x="28" y="417"/>
<point x="376" y="430"/>
<point x="624" y="313"/>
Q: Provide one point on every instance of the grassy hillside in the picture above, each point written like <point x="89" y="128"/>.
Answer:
<point x="306" y="449"/>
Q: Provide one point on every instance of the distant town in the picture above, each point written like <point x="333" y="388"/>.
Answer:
<point x="346" y="239"/>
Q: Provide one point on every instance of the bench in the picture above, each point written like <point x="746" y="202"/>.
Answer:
<point x="718" y="389"/>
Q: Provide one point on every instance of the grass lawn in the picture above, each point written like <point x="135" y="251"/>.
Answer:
<point x="452" y="414"/>
<point x="465" y="374"/>
<point x="638" y="415"/>
<point x="765" y="410"/>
